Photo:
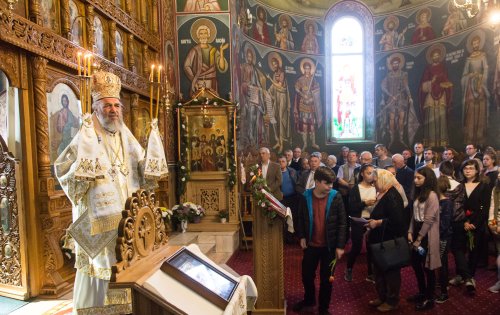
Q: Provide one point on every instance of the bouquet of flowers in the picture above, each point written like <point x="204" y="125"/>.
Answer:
<point x="470" y="233"/>
<point x="187" y="210"/>
<point x="166" y="214"/>
<point x="258" y="184"/>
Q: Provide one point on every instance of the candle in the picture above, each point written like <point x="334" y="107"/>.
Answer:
<point x="158" y="91"/>
<point x="151" y="74"/>
<point x="79" y="61"/>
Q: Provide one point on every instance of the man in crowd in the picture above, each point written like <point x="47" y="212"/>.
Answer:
<point x="344" y="152"/>
<point x="121" y="155"/>
<point x="472" y="152"/>
<point x="382" y="159"/>
<point x="305" y="166"/>
<point x="296" y="162"/>
<point x="407" y="155"/>
<point x="428" y="159"/>
<point x="288" y="183"/>
<point x="346" y="176"/>
<point x="404" y="175"/>
<point x="418" y="148"/>
<point x="322" y="230"/>
<point x="271" y="172"/>
<point x="288" y="154"/>
<point x="306" y="180"/>
<point x="449" y="154"/>
<point x="331" y="162"/>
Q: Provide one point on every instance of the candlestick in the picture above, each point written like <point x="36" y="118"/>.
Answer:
<point x="90" y="66"/>
<point x="158" y="91"/>
<point x="151" y="74"/>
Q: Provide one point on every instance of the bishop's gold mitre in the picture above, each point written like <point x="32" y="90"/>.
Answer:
<point x="105" y="84"/>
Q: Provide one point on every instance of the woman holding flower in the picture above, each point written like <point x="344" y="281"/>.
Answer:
<point x="423" y="234"/>
<point x="494" y="225"/>
<point x="476" y="206"/>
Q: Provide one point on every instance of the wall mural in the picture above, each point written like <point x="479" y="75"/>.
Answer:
<point x="437" y="78"/>
<point x="201" y="6"/>
<point x="203" y="45"/>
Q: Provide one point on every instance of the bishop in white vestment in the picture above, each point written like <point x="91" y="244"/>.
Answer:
<point x="106" y="149"/>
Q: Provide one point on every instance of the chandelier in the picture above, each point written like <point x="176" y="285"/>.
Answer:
<point x="474" y="7"/>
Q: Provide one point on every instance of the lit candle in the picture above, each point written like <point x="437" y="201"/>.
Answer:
<point x="158" y="91"/>
<point x="151" y="74"/>
<point x="79" y="61"/>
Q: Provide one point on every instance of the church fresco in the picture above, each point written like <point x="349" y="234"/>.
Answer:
<point x="201" y="6"/>
<point x="438" y="64"/>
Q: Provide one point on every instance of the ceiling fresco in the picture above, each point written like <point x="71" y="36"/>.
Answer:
<point x="319" y="7"/>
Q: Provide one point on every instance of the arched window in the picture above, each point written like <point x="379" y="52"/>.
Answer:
<point x="349" y="73"/>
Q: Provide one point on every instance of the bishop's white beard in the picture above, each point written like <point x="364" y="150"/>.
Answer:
<point x="111" y="125"/>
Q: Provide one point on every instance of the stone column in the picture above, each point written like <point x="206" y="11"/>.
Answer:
<point x="144" y="16"/>
<point x="39" y="68"/>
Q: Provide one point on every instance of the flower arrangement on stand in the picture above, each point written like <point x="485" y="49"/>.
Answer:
<point x="187" y="212"/>
<point x="223" y="216"/>
<point x="257" y="183"/>
<point x="167" y="215"/>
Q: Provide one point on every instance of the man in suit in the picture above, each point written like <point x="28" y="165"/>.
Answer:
<point x="306" y="180"/>
<point x="428" y="159"/>
<point x="449" y="154"/>
<point x="271" y="172"/>
<point x="296" y="162"/>
<point x="404" y="175"/>
<point x="418" y="158"/>
<point x="472" y="152"/>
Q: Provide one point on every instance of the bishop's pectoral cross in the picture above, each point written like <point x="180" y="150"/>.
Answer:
<point x="144" y="230"/>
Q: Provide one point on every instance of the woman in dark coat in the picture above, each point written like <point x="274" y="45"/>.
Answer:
<point x="386" y="223"/>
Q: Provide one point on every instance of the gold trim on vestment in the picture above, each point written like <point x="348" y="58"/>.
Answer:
<point x="104" y="224"/>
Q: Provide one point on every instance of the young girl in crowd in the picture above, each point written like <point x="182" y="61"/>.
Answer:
<point x="475" y="206"/>
<point x="361" y="200"/>
<point x="445" y="215"/>
<point x="424" y="236"/>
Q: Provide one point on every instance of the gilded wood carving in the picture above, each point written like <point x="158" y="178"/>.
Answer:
<point x="141" y="230"/>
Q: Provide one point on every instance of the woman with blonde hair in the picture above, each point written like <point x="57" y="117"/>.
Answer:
<point x="386" y="223"/>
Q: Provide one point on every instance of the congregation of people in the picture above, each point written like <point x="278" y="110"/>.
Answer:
<point x="443" y="203"/>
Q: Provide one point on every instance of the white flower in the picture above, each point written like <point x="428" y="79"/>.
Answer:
<point x="215" y="103"/>
<point x="195" y="100"/>
<point x="183" y="167"/>
<point x="183" y="126"/>
<point x="263" y="205"/>
<point x="252" y="174"/>
<point x="183" y="179"/>
<point x="257" y="165"/>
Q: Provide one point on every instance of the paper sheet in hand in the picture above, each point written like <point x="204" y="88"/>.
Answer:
<point x="359" y="220"/>
<point x="91" y="244"/>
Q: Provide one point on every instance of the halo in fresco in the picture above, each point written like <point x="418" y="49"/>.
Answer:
<point x="392" y="18"/>
<point x="396" y="56"/>
<point x="477" y="33"/>
<point x="287" y="18"/>
<point x="311" y="62"/>
<point x="440" y="48"/>
<point x="203" y="22"/>
<point x="314" y="25"/>
<point x="250" y="48"/>
<point x="261" y="9"/>
<point x="274" y="55"/>
<point x="422" y="11"/>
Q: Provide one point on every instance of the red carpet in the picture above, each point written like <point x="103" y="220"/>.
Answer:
<point x="352" y="297"/>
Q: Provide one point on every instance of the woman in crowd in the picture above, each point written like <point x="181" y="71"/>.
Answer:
<point x="386" y="222"/>
<point x="424" y="237"/>
<point x="445" y="215"/>
<point x="362" y="197"/>
<point x="494" y="225"/>
<point x="490" y="169"/>
<point x="476" y="205"/>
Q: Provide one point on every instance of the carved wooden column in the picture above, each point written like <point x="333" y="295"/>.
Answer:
<point x="34" y="12"/>
<point x="268" y="264"/>
<point x="134" y="112"/>
<point x="155" y="16"/>
<point x="146" y="67"/>
<point x="144" y="16"/>
<point x="39" y="67"/>
<point x="131" y="56"/>
<point x="112" y="42"/>
<point x="89" y="16"/>
<point x="65" y="17"/>
<point x="128" y="7"/>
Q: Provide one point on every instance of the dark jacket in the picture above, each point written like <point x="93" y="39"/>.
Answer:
<point x="300" y="187"/>
<point x="479" y="203"/>
<point x="390" y="210"/>
<point x="335" y="219"/>
<point x="405" y="176"/>
<point x="445" y="215"/>
<point x="293" y="177"/>
<point x="296" y="165"/>
<point x="356" y="206"/>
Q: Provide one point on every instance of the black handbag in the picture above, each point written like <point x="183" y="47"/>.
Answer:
<point x="391" y="254"/>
